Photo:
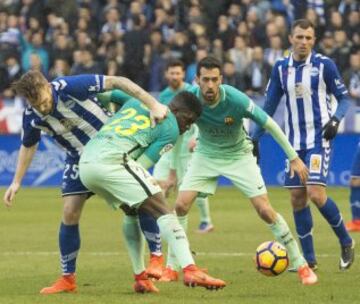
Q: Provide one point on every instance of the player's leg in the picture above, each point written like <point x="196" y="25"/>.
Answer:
<point x="301" y="211"/>
<point x="175" y="235"/>
<point x="354" y="224"/>
<point x="74" y="197"/>
<point x="318" y="160"/>
<point x="250" y="182"/>
<point x="205" y="225"/>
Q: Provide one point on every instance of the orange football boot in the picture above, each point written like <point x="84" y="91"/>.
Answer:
<point x="66" y="283"/>
<point x="353" y="226"/>
<point x="194" y="276"/>
<point x="143" y="284"/>
<point x="169" y="275"/>
<point x="155" y="268"/>
<point x="307" y="275"/>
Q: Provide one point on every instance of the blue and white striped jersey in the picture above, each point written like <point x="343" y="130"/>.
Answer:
<point x="76" y="117"/>
<point x="307" y="87"/>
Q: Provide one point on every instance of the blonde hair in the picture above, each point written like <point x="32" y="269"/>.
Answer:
<point x="29" y="85"/>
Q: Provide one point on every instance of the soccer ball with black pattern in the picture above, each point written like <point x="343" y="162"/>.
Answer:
<point x="271" y="258"/>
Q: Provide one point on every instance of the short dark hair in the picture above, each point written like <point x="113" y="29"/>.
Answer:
<point x="186" y="101"/>
<point x="209" y="62"/>
<point x="302" y="23"/>
<point x="29" y="84"/>
<point x="175" y="63"/>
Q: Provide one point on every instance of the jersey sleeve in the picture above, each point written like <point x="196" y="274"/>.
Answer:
<point x="165" y="139"/>
<point x="333" y="80"/>
<point x="79" y="86"/>
<point x="29" y="136"/>
<point x="274" y="91"/>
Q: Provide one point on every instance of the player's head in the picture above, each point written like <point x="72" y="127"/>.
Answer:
<point x="187" y="108"/>
<point x="37" y="91"/>
<point x="175" y="73"/>
<point x="302" y="38"/>
<point x="209" y="78"/>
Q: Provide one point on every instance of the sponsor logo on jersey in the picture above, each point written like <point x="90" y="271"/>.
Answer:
<point x="229" y="120"/>
<point x="315" y="163"/>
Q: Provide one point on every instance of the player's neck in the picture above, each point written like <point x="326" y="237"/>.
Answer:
<point x="300" y="58"/>
<point x="180" y="86"/>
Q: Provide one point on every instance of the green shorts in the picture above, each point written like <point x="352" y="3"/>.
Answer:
<point x="244" y="173"/>
<point x="118" y="183"/>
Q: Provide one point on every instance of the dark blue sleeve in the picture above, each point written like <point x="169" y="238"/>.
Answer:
<point x="30" y="135"/>
<point x="336" y="86"/>
<point x="79" y="86"/>
<point x="273" y="95"/>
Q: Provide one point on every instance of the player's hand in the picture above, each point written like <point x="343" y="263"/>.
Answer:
<point x="256" y="150"/>
<point x="331" y="128"/>
<point x="297" y="166"/>
<point x="158" y="113"/>
<point x="10" y="194"/>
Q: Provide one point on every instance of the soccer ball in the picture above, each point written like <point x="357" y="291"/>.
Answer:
<point x="271" y="258"/>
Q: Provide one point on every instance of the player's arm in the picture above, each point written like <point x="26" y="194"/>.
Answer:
<point x="273" y="95"/>
<point x="115" y="96"/>
<point x="336" y="86"/>
<point x="157" y="110"/>
<point x="265" y="121"/>
<point x="26" y="154"/>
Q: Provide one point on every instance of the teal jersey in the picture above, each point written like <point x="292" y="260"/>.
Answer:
<point x="167" y="94"/>
<point x="182" y="149"/>
<point x="129" y="131"/>
<point x="221" y="130"/>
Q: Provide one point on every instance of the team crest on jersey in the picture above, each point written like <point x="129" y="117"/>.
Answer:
<point x="166" y="148"/>
<point x="229" y="120"/>
<point x="315" y="163"/>
<point x="68" y="124"/>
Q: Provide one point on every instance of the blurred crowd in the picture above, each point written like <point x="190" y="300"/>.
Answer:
<point x="136" y="39"/>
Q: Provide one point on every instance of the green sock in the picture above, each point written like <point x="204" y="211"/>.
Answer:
<point x="134" y="242"/>
<point x="283" y="235"/>
<point x="179" y="251"/>
<point x="203" y="204"/>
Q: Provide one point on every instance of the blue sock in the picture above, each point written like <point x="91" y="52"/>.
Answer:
<point x="332" y="214"/>
<point x="304" y="225"/>
<point x="355" y="202"/>
<point x="69" y="242"/>
<point x="151" y="232"/>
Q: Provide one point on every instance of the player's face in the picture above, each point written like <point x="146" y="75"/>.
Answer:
<point x="209" y="81"/>
<point x="185" y="119"/>
<point x="302" y="41"/>
<point x="175" y="76"/>
<point x="44" y="104"/>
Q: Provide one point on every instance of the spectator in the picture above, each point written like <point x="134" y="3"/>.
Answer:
<point x="240" y="54"/>
<point x="231" y="77"/>
<point x="225" y="33"/>
<point x="60" y="68"/>
<point x="342" y="51"/>
<point x="190" y="72"/>
<point x="87" y="65"/>
<point x="275" y="51"/>
<point x="327" y="45"/>
<point x="352" y="77"/>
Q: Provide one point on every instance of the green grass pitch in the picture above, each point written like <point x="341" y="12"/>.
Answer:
<point x="29" y="257"/>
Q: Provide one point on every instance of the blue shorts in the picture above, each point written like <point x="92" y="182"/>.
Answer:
<point x="355" y="168"/>
<point x="71" y="184"/>
<point x="317" y="160"/>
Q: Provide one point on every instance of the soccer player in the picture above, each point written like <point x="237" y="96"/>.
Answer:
<point x="67" y="110"/>
<point x="170" y="169"/>
<point x="307" y="80"/>
<point x="113" y="165"/>
<point x="354" y="224"/>
<point x="225" y="149"/>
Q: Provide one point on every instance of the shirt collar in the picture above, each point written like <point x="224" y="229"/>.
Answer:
<point x="291" y="59"/>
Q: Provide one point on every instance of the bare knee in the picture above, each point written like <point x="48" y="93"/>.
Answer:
<point x="184" y="202"/>
<point x="317" y="195"/>
<point x="298" y="198"/>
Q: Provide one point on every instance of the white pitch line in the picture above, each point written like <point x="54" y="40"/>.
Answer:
<point x="113" y="253"/>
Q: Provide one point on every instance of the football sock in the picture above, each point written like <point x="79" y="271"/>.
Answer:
<point x="69" y="243"/>
<point x="151" y="232"/>
<point x="304" y="226"/>
<point x="283" y="235"/>
<point x="134" y="242"/>
<point x="175" y="235"/>
<point x="355" y="202"/>
<point x="203" y="204"/>
<point x="332" y="214"/>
